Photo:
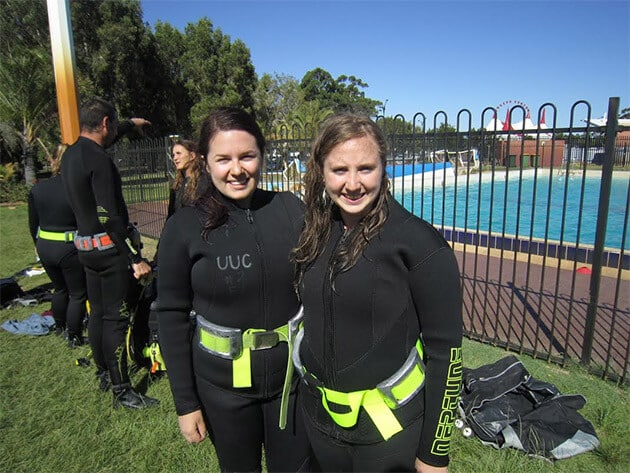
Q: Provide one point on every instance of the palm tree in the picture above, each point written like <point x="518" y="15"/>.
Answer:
<point x="27" y="101"/>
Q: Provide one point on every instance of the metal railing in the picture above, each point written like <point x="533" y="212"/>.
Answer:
<point x="538" y="219"/>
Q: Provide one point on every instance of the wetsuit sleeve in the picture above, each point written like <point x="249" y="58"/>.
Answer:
<point x="33" y="218"/>
<point x="436" y="291"/>
<point x="111" y="212"/>
<point x="171" y="202"/>
<point x="124" y="127"/>
<point x="174" y="305"/>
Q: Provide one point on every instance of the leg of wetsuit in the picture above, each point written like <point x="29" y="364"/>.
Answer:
<point x="115" y="280"/>
<point x="50" y="256"/>
<point x="396" y="454"/>
<point x="235" y="424"/>
<point x="74" y="275"/>
<point x="240" y="427"/>
<point x="288" y="449"/>
<point x="95" y="320"/>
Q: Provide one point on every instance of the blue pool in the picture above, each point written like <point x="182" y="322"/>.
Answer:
<point x="503" y="206"/>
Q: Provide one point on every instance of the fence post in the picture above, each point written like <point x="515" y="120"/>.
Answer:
<point x="600" y="235"/>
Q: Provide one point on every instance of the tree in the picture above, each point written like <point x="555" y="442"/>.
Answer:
<point x="27" y="103"/>
<point x="177" y="100"/>
<point x="625" y="113"/>
<point x="343" y="94"/>
<point x="309" y="116"/>
<point x="275" y="99"/>
<point x="318" y="84"/>
<point x="27" y="100"/>
<point x="217" y="72"/>
<point x="350" y="97"/>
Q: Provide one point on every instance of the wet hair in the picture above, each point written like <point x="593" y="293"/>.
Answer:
<point x="222" y="119"/>
<point x="321" y="211"/>
<point x="196" y="165"/>
<point x="55" y="161"/>
<point x="92" y="113"/>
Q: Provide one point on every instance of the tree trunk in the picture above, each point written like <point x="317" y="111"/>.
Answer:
<point x="27" y="163"/>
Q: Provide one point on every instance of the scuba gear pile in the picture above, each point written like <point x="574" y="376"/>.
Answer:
<point x="142" y="340"/>
<point x="504" y="406"/>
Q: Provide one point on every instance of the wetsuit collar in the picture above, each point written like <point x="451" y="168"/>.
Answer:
<point x="258" y="200"/>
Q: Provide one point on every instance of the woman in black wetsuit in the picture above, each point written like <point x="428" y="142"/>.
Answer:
<point x="52" y="225"/>
<point x="225" y="298"/>
<point x="380" y="349"/>
<point x="190" y="177"/>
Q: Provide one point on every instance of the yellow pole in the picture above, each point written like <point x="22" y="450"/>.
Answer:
<point x="62" y="47"/>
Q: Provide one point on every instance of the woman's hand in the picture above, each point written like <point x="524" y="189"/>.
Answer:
<point x="422" y="467"/>
<point x="193" y="427"/>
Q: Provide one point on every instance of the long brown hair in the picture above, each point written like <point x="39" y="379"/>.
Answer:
<point x="222" y="119"/>
<point x="196" y="166"/>
<point x="319" y="207"/>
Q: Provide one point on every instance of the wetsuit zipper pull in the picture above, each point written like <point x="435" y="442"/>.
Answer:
<point x="250" y="218"/>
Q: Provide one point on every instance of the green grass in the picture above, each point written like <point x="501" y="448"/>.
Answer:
<point x="53" y="418"/>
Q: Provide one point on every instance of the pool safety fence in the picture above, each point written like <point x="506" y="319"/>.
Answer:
<point x="550" y="310"/>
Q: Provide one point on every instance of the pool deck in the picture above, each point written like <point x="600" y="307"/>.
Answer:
<point x="507" y="299"/>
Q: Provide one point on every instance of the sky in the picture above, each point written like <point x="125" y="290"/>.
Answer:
<point x="438" y="56"/>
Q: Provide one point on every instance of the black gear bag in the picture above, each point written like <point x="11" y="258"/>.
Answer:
<point x="506" y="407"/>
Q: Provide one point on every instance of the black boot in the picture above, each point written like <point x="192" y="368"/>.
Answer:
<point x="75" y="341"/>
<point x="131" y="399"/>
<point x="104" y="383"/>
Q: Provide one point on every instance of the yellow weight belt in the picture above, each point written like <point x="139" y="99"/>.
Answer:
<point x="379" y="402"/>
<point x="236" y="345"/>
<point x="67" y="237"/>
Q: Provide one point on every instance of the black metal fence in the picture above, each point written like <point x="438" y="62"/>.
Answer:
<point x="538" y="218"/>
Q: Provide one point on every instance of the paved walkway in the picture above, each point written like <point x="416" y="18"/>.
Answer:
<point x="542" y="309"/>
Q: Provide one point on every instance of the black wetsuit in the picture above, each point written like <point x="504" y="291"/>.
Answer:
<point x="48" y="209"/>
<point x="240" y="278"/>
<point x="176" y="198"/>
<point x="94" y="189"/>
<point x="360" y="331"/>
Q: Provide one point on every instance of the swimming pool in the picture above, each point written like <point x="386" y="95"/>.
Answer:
<point x="503" y="206"/>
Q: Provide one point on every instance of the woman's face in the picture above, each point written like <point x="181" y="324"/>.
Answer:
<point x="182" y="157"/>
<point x="353" y="173"/>
<point x="234" y="164"/>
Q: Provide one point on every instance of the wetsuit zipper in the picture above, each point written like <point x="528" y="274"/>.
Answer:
<point x="263" y="273"/>
<point x="329" y="349"/>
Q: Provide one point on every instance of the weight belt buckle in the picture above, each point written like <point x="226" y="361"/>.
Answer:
<point x="295" y="355"/>
<point x="99" y="245"/>
<point x="234" y="335"/>
<point x="69" y="236"/>
<point x="83" y="243"/>
<point x="385" y="387"/>
<point x="294" y="324"/>
<point x="264" y="340"/>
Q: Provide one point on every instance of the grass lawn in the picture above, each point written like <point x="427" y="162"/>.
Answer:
<point x="53" y="418"/>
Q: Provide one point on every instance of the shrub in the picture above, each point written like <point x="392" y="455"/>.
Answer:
<point x="7" y="171"/>
<point x="12" y="191"/>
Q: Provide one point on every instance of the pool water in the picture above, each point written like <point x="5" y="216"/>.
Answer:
<point x="504" y="206"/>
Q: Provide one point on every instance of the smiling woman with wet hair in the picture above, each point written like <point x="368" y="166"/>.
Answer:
<point x="379" y="352"/>
<point x="224" y="263"/>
